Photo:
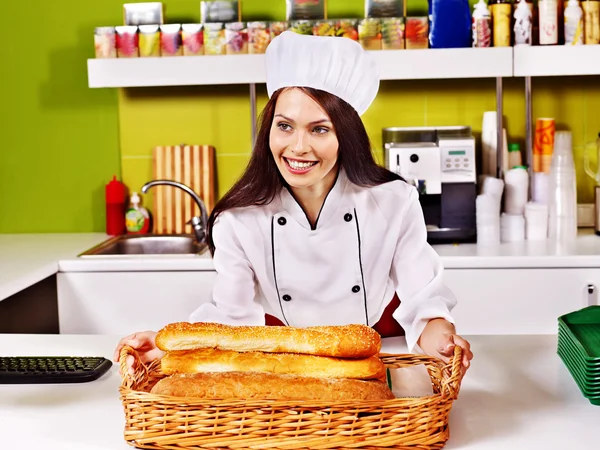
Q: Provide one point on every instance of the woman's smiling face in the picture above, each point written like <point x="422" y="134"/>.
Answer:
<point x="303" y="141"/>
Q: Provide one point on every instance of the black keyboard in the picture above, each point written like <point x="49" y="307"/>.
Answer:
<point x="51" y="369"/>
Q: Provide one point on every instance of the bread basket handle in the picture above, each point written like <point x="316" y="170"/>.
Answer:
<point x="127" y="379"/>
<point x="451" y="385"/>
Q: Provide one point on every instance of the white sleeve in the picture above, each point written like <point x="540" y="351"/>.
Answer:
<point x="233" y="300"/>
<point x="417" y="276"/>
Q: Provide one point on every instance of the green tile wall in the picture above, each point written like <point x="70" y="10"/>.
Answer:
<point x="63" y="141"/>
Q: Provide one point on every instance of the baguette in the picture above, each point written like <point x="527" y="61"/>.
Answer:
<point x="214" y="360"/>
<point x="269" y="386"/>
<point x="344" y="341"/>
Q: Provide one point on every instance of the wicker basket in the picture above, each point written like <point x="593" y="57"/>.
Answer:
<point x="164" y="422"/>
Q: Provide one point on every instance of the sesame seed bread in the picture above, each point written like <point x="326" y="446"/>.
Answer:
<point x="270" y="386"/>
<point x="344" y="341"/>
<point x="214" y="360"/>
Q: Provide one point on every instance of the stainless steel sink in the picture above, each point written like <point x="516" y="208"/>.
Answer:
<point x="137" y="245"/>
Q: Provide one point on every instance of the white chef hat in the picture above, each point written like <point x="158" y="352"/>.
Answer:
<point x="337" y="65"/>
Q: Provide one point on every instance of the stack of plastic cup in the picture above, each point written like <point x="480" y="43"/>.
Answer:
<point x="536" y="221"/>
<point x="488" y="220"/>
<point x="516" y="190"/>
<point x="562" y="190"/>
<point x="512" y="227"/>
<point x="492" y="186"/>
<point x="539" y="187"/>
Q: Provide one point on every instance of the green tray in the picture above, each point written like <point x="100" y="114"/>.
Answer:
<point x="591" y="378"/>
<point x="591" y="366"/>
<point x="591" y="395"/>
<point x="565" y="332"/>
<point x="583" y="327"/>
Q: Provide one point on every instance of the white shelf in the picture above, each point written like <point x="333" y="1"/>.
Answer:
<point x="556" y="60"/>
<point x="444" y="63"/>
<point x="245" y="69"/>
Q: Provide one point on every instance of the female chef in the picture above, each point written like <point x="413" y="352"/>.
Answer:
<point x="315" y="232"/>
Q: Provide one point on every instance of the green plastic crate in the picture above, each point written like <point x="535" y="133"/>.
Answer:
<point x="583" y="327"/>
<point x="591" y="395"/>
<point x="592" y="377"/>
<point x="579" y="349"/>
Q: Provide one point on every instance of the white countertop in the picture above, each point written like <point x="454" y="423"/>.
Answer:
<point x="26" y="259"/>
<point x="516" y="395"/>
<point x="583" y="252"/>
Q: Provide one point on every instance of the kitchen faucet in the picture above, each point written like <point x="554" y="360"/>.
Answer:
<point x="198" y="223"/>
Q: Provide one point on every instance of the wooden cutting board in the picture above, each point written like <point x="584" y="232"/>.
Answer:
<point x="192" y="165"/>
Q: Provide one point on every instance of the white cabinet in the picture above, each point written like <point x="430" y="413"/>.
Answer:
<point x="490" y="301"/>
<point x="121" y="303"/>
<point x="519" y="301"/>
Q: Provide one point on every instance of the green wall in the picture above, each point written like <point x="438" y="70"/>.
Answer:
<point x="59" y="139"/>
<point x="63" y="141"/>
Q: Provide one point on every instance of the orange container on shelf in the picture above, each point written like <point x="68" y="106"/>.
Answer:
<point x="543" y="145"/>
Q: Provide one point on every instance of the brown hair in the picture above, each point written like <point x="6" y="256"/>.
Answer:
<point x="261" y="181"/>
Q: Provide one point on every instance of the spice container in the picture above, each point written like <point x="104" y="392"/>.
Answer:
<point x="384" y="8"/>
<point x="369" y="34"/>
<point x="259" y="37"/>
<point x="392" y="33"/>
<point x="219" y="11"/>
<point x="149" y="13"/>
<point x="236" y="38"/>
<point x="192" y="39"/>
<point x="417" y="32"/>
<point x="324" y="28"/>
<point x="591" y="21"/>
<point x="501" y="20"/>
<point x="214" y="39"/>
<point x="304" y="27"/>
<point x="127" y="41"/>
<point x="305" y="10"/>
<point x="149" y="40"/>
<point x="105" y="45"/>
<point x="482" y="25"/>
<point x="347" y="28"/>
<point x="170" y="40"/>
<point x="277" y="28"/>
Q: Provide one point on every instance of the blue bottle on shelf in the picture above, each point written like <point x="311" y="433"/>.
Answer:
<point x="449" y="24"/>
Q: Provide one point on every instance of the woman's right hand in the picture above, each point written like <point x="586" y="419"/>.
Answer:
<point x="145" y="344"/>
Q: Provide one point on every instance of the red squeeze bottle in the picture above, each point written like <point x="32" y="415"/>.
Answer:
<point x="115" y="207"/>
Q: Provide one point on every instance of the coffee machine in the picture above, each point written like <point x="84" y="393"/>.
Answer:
<point x="440" y="163"/>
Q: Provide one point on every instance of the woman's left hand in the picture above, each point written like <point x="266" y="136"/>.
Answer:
<point x="439" y="339"/>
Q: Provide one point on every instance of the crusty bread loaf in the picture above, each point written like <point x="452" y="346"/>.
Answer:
<point x="214" y="360"/>
<point x="270" y="386"/>
<point x="344" y="341"/>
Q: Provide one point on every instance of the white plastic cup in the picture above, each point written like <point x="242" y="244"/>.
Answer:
<point x="512" y="228"/>
<point x="562" y="192"/>
<point x="516" y="190"/>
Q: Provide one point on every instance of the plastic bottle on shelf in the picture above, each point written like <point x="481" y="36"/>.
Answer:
<point x="115" y="207"/>
<point x="591" y="23"/>
<point x="514" y="156"/>
<point x="450" y="24"/>
<point x="137" y="219"/>
<point x="482" y="25"/>
<point x="501" y="19"/>
<point x="523" y="23"/>
<point x="548" y="19"/>
<point x="573" y="23"/>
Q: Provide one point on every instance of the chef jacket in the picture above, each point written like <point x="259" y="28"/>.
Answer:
<point x="368" y="244"/>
